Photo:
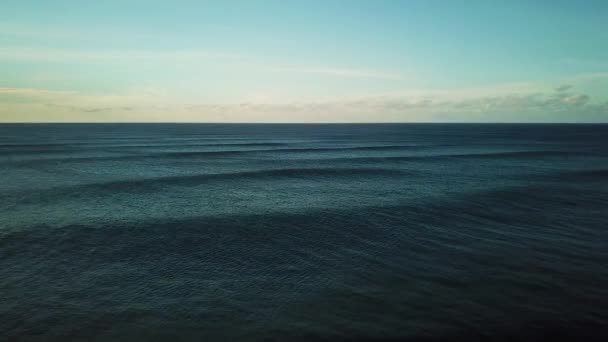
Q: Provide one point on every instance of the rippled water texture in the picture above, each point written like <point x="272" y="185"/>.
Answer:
<point x="303" y="232"/>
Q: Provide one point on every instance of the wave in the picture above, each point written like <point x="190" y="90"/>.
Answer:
<point x="454" y="156"/>
<point x="125" y="156"/>
<point x="195" y="154"/>
<point x="581" y="175"/>
<point x="517" y="154"/>
<point x="189" y="145"/>
<point x="144" y="185"/>
<point x="488" y="155"/>
<point x="92" y="147"/>
<point x="353" y="148"/>
<point x="250" y="175"/>
<point x="290" y="149"/>
<point x="37" y="145"/>
<point x="198" y="155"/>
<point x="142" y="154"/>
<point x="38" y="151"/>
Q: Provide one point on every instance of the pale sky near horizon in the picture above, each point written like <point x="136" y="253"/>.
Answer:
<point x="303" y="61"/>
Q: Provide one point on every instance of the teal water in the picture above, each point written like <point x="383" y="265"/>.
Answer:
<point x="303" y="232"/>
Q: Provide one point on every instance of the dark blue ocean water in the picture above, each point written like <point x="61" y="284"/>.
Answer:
<point x="303" y="232"/>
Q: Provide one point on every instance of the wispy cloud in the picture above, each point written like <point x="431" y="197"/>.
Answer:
<point x="342" y="72"/>
<point x="47" y="55"/>
<point x="32" y="92"/>
<point x="87" y="55"/>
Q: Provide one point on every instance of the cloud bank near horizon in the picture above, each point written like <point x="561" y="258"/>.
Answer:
<point x="561" y="103"/>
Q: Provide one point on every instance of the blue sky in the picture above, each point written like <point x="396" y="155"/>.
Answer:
<point x="304" y="61"/>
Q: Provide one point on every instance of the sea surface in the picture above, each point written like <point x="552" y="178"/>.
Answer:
<point x="254" y="232"/>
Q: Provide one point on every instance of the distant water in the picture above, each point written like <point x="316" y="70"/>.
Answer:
<point x="303" y="232"/>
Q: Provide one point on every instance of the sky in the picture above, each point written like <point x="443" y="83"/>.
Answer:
<point x="304" y="61"/>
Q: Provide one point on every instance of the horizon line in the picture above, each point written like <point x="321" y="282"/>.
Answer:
<point x="301" y="123"/>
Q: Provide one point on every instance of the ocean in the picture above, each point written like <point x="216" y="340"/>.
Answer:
<point x="281" y="232"/>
